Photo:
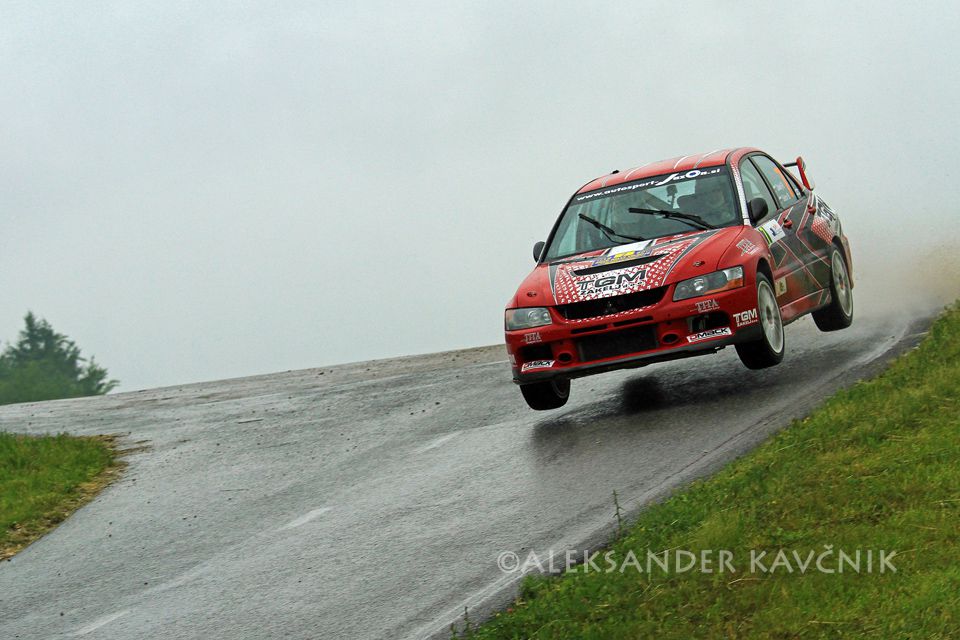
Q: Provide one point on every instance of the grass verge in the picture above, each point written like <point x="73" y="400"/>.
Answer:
<point x="877" y="467"/>
<point x="43" y="479"/>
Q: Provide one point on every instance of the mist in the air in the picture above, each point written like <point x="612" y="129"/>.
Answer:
<point x="194" y="192"/>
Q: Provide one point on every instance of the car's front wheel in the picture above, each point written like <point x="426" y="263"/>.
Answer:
<point x="550" y="394"/>
<point x="839" y="313"/>
<point x="768" y="349"/>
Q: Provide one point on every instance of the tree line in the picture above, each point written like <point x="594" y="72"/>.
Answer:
<point x="45" y="365"/>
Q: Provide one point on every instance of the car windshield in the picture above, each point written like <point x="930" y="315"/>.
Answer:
<point x="644" y="209"/>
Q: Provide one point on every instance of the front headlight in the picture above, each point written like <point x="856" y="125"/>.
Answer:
<point x="710" y="283"/>
<point x="527" y="318"/>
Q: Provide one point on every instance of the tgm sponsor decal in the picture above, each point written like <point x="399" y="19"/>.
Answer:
<point x="536" y="364"/>
<point x="659" y="181"/>
<point x="746" y="247"/>
<point x="710" y="334"/>
<point x="532" y="338"/>
<point x="611" y="283"/>
<point x="745" y="318"/>
<point x="569" y="284"/>
<point x="707" y="305"/>
<point x="772" y="231"/>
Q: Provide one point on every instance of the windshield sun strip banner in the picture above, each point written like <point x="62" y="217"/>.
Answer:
<point x="646" y="183"/>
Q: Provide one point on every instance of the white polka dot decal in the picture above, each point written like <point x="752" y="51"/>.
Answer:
<point x="569" y="287"/>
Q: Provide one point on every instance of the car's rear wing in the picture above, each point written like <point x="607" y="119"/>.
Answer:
<point x="802" y="170"/>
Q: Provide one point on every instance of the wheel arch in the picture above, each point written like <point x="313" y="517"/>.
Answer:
<point x="764" y="267"/>
<point x="844" y="248"/>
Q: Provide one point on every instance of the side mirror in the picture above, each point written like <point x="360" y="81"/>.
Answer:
<point x="756" y="209"/>
<point x="537" y="250"/>
<point x="802" y="168"/>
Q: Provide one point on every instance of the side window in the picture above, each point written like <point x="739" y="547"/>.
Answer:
<point x="782" y="188"/>
<point x="754" y="187"/>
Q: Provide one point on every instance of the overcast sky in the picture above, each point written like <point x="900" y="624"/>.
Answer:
<point x="196" y="190"/>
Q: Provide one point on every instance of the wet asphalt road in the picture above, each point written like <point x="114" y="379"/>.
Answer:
<point x="372" y="500"/>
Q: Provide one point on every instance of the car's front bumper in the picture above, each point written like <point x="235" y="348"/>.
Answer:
<point x="665" y="331"/>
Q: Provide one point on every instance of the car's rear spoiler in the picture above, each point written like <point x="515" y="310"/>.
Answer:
<point x="802" y="169"/>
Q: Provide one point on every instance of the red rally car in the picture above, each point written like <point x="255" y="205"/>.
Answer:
<point x="674" y="259"/>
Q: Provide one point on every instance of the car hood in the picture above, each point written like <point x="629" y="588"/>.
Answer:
<point x="627" y="268"/>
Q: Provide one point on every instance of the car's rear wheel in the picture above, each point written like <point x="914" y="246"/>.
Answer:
<point x="839" y="313"/>
<point x="767" y="350"/>
<point x="550" y="394"/>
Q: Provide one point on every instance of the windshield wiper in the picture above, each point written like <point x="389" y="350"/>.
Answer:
<point x="607" y="231"/>
<point x="689" y="218"/>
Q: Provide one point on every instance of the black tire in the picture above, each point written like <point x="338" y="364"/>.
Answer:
<point x="839" y="313"/>
<point x="763" y="352"/>
<point x="542" y="396"/>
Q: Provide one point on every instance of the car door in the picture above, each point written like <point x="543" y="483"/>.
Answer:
<point x="778" y="232"/>
<point x="812" y="250"/>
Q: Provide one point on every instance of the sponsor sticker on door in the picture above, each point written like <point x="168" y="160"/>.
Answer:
<point x="772" y="231"/>
<point x="780" y="286"/>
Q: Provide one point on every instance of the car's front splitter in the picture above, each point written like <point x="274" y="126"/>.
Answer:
<point x="663" y="354"/>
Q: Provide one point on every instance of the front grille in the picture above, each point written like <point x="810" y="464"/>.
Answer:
<point x="616" y="343"/>
<point x="611" y="305"/>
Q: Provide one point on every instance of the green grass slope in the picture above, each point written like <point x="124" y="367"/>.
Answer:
<point x="877" y="467"/>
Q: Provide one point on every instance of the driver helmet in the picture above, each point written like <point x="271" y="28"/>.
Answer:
<point x="713" y="198"/>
